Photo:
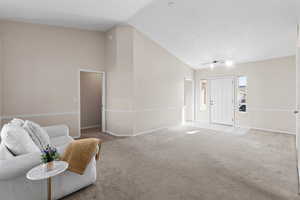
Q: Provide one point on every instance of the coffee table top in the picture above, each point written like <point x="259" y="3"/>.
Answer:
<point x="40" y="172"/>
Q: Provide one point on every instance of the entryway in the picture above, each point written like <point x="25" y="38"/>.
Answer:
<point x="92" y="101"/>
<point x="222" y="101"/>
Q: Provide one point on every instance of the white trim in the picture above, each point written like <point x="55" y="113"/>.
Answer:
<point x="90" y="70"/>
<point x="88" y="127"/>
<point x="112" y="110"/>
<point x="38" y="115"/>
<point x="270" y="109"/>
<point x="202" y="121"/>
<point x="6" y="117"/>
<point x="103" y="124"/>
<point x="143" y="110"/>
<point x="117" y="135"/>
<point x="212" y="77"/>
<point x="270" y="130"/>
<point x="151" y="130"/>
<point x="139" y="133"/>
<point x="156" y="109"/>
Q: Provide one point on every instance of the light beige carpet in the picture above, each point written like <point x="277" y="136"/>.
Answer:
<point x="206" y="165"/>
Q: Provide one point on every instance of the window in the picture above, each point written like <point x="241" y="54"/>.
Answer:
<point x="203" y="94"/>
<point x="242" y="93"/>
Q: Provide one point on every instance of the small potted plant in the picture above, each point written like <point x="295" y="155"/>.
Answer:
<point x="49" y="154"/>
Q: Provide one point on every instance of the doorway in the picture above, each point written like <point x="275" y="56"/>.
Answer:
<point x="91" y="101"/>
<point x="188" y="111"/>
<point x="222" y="101"/>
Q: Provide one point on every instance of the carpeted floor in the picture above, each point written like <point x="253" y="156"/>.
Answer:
<point x="203" y="165"/>
<point x="97" y="133"/>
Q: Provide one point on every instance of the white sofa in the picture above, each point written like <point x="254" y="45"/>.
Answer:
<point x="15" y="186"/>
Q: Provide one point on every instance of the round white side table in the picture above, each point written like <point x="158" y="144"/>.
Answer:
<point x="40" y="172"/>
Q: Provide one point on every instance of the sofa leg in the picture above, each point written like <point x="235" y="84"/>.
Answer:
<point x="49" y="189"/>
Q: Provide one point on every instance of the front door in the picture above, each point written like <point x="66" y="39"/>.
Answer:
<point x="222" y="101"/>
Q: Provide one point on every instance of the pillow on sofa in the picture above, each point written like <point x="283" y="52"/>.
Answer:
<point x="17" y="122"/>
<point x="38" y="135"/>
<point x="17" y="140"/>
<point x="4" y="153"/>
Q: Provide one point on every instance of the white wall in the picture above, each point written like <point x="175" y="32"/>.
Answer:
<point x="90" y="99"/>
<point x="271" y="93"/>
<point x="40" y="71"/>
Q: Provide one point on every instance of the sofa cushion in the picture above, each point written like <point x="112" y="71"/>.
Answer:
<point x="17" y="140"/>
<point x="4" y="153"/>
<point x="38" y="135"/>
<point x="61" y="142"/>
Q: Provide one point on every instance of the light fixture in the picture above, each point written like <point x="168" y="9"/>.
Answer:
<point x="229" y="63"/>
<point x="214" y="63"/>
<point x="171" y="3"/>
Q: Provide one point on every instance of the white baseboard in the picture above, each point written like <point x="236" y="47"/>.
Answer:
<point x="117" y="135"/>
<point x="257" y="128"/>
<point x="275" y="131"/>
<point x="88" y="127"/>
<point x="136" y="134"/>
<point x="9" y="117"/>
<point x="150" y="131"/>
<point x="201" y="121"/>
<point x="271" y="130"/>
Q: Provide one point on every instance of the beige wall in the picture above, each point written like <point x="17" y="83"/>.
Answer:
<point x="188" y="100"/>
<point x="271" y="93"/>
<point x="144" y="83"/>
<point x="41" y="70"/>
<point x="158" y="85"/>
<point x="119" y="73"/>
<point x="90" y="99"/>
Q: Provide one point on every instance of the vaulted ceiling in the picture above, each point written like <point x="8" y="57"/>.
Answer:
<point x="196" y="31"/>
<point x="87" y="14"/>
<point x="199" y="31"/>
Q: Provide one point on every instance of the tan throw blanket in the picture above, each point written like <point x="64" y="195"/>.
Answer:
<point x="80" y="152"/>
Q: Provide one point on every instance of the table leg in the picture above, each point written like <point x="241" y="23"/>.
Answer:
<point x="49" y="189"/>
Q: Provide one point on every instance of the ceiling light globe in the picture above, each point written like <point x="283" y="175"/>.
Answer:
<point x="229" y="63"/>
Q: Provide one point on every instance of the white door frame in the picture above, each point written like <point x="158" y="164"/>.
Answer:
<point x="296" y="112"/>
<point x="103" y="107"/>
<point x="233" y="95"/>
<point x="194" y="101"/>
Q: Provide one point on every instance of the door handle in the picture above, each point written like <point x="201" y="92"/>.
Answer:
<point x="296" y="111"/>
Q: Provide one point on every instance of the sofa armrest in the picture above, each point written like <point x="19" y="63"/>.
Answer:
<point x="57" y="131"/>
<point x="19" y="165"/>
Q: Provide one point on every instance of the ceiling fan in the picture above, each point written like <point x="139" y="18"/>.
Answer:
<point x="212" y="64"/>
